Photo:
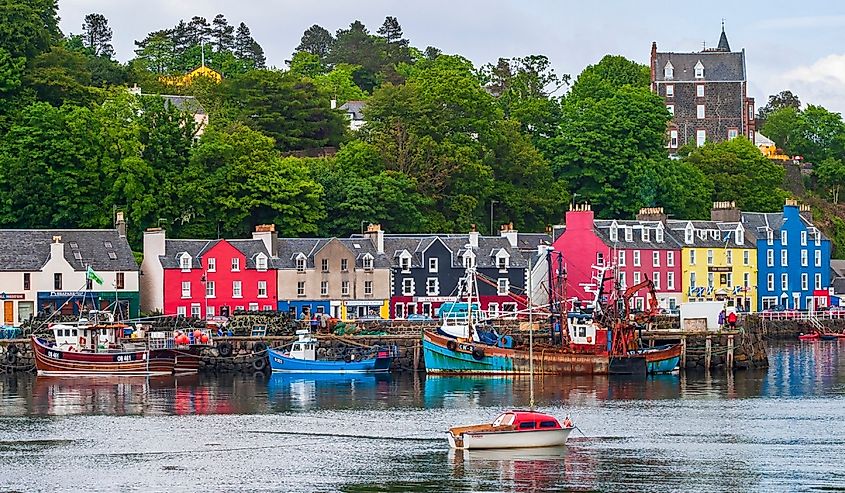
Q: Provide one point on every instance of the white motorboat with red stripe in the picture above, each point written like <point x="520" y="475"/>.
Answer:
<point x="512" y="429"/>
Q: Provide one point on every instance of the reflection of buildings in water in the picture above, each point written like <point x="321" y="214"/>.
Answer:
<point x="305" y="391"/>
<point x="93" y="395"/>
<point x="466" y="392"/>
<point x="805" y="367"/>
<point x="553" y="468"/>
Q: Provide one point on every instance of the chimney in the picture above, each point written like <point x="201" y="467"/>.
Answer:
<point x="135" y="90"/>
<point x="120" y="224"/>
<point x="725" y="212"/>
<point x="579" y="218"/>
<point x="806" y="212"/>
<point x="334" y="104"/>
<point x="152" y="273"/>
<point x="511" y="234"/>
<point x="376" y="236"/>
<point x="57" y="248"/>
<point x="653" y="66"/>
<point x="473" y="236"/>
<point x="652" y="214"/>
<point x="266" y="233"/>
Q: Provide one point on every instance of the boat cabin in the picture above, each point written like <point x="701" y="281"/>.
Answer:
<point x="305" y="347"/>
<point x="93" y="331"/>
<point x="585" y="334"/>
<point x="527" y="420"/>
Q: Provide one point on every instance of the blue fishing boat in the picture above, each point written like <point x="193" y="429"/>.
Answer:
<point x="302" y="358"/>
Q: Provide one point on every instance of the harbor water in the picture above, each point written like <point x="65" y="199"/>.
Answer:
<point x="779" y="429"/>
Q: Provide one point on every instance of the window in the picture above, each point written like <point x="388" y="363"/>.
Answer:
<point x="644" y="234"/>
<point x="599" y="258"/>
<point x="636" y="258"/>
<point x="186" y="289"/>
<point x="710" y="279"/>
<point x="699" y="90"/>
<point x="300" y="288"/>
<point x="57" y="281"/>
<point x="399" y="310"/>
<point x="622" y="283"/>
<point x="526" y="425"/>
<point x="804" y="258"/>
<point x="803" y="238"/>
<point x="300" y="263"/>
<point x="629" y="234"/>
<point x="237" y="292"/>
<point x="733" y="133"/>
<point x="655" y="259"/>
<point x="805" y="282"/>
<point x="368" y="288"/>
<point x="195" y="310"/>
<point x="503" y="286"/>
<point x="700" y="137"/>
<point x="818" y="238"/>
<point x="236" y="264"/>
<point x="78" y="255"/>
<point x="509" y="308"/>
<point x="637" y="277"/>
<point x="324" y="288"/>
<point x="746" y="257"/>
<point x="670" y="281"/>
<point x="253" y="307"/>
<point x="670" y="259"/>
<point x="89" y="284"/>
<point x="261" y="262"/>
<point x="740" y="236"/>
<point x="699" y="111"/>
<point x="368" y="262"/>
<point x="783" y="238"/>
<point x="817" y="258"/>
<point x="818" y="280"/>
<point x="699" y="70"/>
<point x="770" y="258"/>
<point x="670" y="90"/>
<point x="469" y="259"/>
<point x="709" y="257"/>
<point x="692" y="257"/>
<point x="658" y="235"/>
<point x="622" y="258"/>
<point x="729" y="279"/>
<point x="668" y="71"/>
<point x="185" y="262"/>
<point x="692" y="279"/>
<point x="180" y="311"/>
<point x="407" y="287"/>
<point x="344" y="265"/>
<point x="784" y="255"/>
<point x="689" y="235"/>
<point x="405" y="263"/>
<point x="784" y="282"/>
<point x="729" y="257"/>
<point x="212" y="264"/>
<point x="770" y="282"/>
<point x="432" y="264"/>
<point x="671" y="109"/>
<point x="502" y="263"/>
<point x="209" y="311"/>
<point x="210" y="289"/>
<point x="614" y="233"/>
<point x="119" y="280"/>
<point x="655" y="278"/>
<point x="262" y="289"/>
<point x="324" y="265"/>
<point x="344" y="288"/>
<point x="673" y="139"/>
<point x="27" y="280"/>
<point x="770" y="237"/>
<point x="432" y="286"/>
<point x="746" y="280"/>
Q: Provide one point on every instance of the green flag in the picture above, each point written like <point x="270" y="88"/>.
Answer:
<point x="90" y="274"/>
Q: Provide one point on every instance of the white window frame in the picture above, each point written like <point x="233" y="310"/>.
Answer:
<point x="599" y="258"/>
<point x="699" y="111"/>
<point x="209" y="311"/>
<point x="637" y="277"/>
<point x="629" y="233"/>
<point x="668" y="71"/>
<point x="655" y="258"/>
<point x="300" y="263"/>
<point x="300" y="288"/>
<point x="195" y="310"/>
<point x="655" y="278"/>
<point x="658" y="235"/>
<point x="746" y="257"/>
<point x="253" y="307"/>
<point x="783" y="237"/>
<point x="261" y="263"/>
<point x="324" y="288"/>
<point x="784" y="282"/>
<point x="711" y="279"/>
<point x="692" y="257"/>
<point x="408" y="286"/>
<point x="181" y="311"/>
<point x="670" y="259"/>
<point x="185" y="262"/>
<point x="236" y="264"/>
<point x="700" y="137"/>
<point x="770" y="237"/>
<point x="186" y="289"/>
<point x="622" y="281"/>
<point x="729" y="257"/>
<point x="368" y="262"/>
<point x="432" y="264"/>
<point x="818" y="280"/>
<point x="673" y="139"/>
<point x="344" y="288"/>
<point x="344" y="265"/>
<point x="770" y="258"/>
<point x="817" y="258"/>
<point x="699" y="70"/>
<point x="670" y="281"/>
<point x="699" y="90"/>
<point x="368" y="288"/>
<point x="262" y="289"/>
<point x="324" y="265"/>
<point x="636" y="255"/>
<point x="670" y="90"/>
<point x="237" y="289"/>
<point x="645" y="234"/>
<point x="805" y="258"/>
<point x="770" y="282"/>
<point x="621" y="260"/>
<point x="784" y="258"/>
<point x="803" y="238"/>
<point x="671" y="109"/>
<point x="211" y="264"/>
<point x="710" y="257"/>
<point x="805" y="281"/>
<point x="502" y="286"/>
<point x="432" y="286"/>
<point x="746" y="279"/>
<point x="210" y="289"/>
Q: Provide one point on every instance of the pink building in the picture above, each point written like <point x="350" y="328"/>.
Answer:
<point x="635" y="250"/>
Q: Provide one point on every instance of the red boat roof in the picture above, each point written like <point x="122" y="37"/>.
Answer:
<point x="522" y="415"/>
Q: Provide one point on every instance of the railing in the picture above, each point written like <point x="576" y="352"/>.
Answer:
<point x="803" y="315"/>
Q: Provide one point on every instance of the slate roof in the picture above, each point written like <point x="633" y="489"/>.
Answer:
<point x="416" y="245"/>
<point x="718" y="66"/>
<point x="757" y="222"/>
<point x="837" y="278"/>
<point x="356" y="108"/>
<point x="723" y="42"/>
<point x="29" y="249"/>
<point x="601" y="228"/>
<point x="528" y="242"/>
<point x="187" y="104"/>
<point x="288" y="249"/>
<point x="725" y="235"/>
<point x="198" y="248"/>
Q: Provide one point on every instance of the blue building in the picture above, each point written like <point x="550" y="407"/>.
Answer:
<point x="793" y="259"/>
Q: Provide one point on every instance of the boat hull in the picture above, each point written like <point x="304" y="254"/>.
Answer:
<point x="282" y="364"/>
<point x="56" y="362"/>
<point x="447" y="356"/>
<point x="663" y="359"/>
<point x="510" y="439"/>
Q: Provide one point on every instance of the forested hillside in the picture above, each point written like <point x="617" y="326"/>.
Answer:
<point x="444" y="139"/>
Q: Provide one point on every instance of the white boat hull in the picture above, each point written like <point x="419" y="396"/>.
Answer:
<point x="511" y="439"/>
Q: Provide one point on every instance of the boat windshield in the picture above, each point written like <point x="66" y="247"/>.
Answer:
<point x="505" y="419"/>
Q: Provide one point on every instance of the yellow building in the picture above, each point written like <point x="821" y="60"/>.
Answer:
<point x="718" y="261"/>
<point x="187" y="79"/>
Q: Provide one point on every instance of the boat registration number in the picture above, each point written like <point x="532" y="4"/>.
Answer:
<point x="54" y="354"/>
<point x="122" y="358"/>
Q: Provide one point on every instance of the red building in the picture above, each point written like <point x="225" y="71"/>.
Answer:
<point x="216" y="277"/>
<point x="635" y="250"/>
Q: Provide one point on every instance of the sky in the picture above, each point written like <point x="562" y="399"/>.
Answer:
<point x="789" y="45"/>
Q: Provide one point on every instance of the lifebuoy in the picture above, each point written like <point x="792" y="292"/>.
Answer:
<point x="259" y="363"/>
<point x="478" y="353"/>
<point x="451" y="345"/>
<point x="225" y="349"/>
<point x="589" y="340"/>
<point x="81" y="341"/>
<point x="259" y="347"/>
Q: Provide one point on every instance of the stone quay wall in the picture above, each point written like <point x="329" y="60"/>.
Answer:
<point x="16" y="356"/>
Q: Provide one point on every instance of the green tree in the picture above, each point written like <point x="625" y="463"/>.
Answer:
<point x="223" y="35"/>
<point x="741" y="173"/>
<point x="29" y="27"/>
<point x="317" y="41"/>
<point x="61" y="76"/>
<point x="783" y="99"/>
<point x="355" y="46"/>
<point x="306" y="64"/>
<point x="612" y="73"/>
<point x="831" y="175"/>
<point x="97" y="35"/>
<point x="339" y="84"/>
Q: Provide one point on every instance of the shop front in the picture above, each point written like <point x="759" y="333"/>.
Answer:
<point x="16" y="308"/>
<point x="124" y="304"/>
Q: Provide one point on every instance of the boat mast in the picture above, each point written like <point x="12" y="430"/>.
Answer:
<point x="470" y="275"/>
<point x="530" y="337"/>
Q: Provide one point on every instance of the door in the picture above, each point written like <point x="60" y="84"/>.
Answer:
<point x="9" y="313"/>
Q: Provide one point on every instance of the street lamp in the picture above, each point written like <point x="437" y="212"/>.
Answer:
<point x="491" y="216"/>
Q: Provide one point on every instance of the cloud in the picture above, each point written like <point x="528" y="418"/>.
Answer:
<point x="807" y="22"/>
<point x="821" y="83"/>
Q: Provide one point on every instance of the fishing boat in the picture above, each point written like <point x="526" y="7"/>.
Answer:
<point x="302" y="358"/>
<point x="812" y="336"/>
<point x="96" y="345"/>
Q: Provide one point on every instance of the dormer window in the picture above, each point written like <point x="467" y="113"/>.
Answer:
<point x="740" y="236"/>
<point x="185" y="262"/>
<point x="629" y="234"/>
<point x="668" y="71"/>
<point x="770" y="237"/>
<point x="689" y="235"/>
<point x="368" y="262"/>
<point x="699" y="70"/>
<point x="818" y="237"/>
<point x="644" y="234"/>
<point x="614" y="232"/>
<point x="716" y="234"/>
<point x="469" y="259"/>
<point x="261" y="262"/>
<point x="502" y="260"/>
<point x="300" y="263"/>
<point x="783" y="237"/>
<point x="658" y="235"/>
<point x="405" y="261"/>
